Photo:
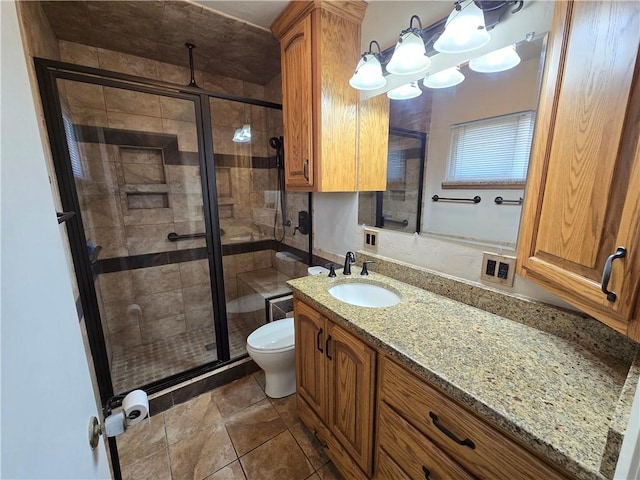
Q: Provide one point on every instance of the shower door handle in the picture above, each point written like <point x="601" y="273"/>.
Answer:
<point x="305" y="169"/>
<point x="318" y="343"/>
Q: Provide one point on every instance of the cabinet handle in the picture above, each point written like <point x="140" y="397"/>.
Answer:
<point x="427" y="472"/>
<point x="318" y="344"/>
<point x="621" y="252"/>
<point x="326" y="347"/>
<point x="466" y="442"/>
<point x="305" y="169"/>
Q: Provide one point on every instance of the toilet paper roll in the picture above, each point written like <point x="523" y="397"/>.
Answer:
<point x="135" y="406"/>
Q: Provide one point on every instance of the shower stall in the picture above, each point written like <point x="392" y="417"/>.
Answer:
<point x="177" y="223"/>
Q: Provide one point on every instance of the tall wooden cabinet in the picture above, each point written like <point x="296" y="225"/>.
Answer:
<point x="320" y="47"/>
<point x="335" y="374"/>
<point x="583" y="191"/>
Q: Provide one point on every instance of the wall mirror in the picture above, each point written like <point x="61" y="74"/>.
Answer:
<point x="458" y="156"/>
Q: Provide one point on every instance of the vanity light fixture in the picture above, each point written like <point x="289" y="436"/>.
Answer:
<point x="410" y="55"/>
<point x="405" y="92"/>
<point x="496" y="61"/>
<point x="368" y="74"/>
<point x="444" y="79"/>
<point x="465" y="29"/>
<point x="242" y="135"/>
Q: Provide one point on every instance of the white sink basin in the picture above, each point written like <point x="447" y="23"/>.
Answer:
<point x="364" y="295"/>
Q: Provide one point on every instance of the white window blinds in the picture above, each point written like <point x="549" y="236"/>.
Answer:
<point x="495" y="148"/>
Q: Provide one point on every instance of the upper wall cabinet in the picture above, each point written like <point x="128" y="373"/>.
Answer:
<point x="583" y="194"/>
<point x="320" y="44"/>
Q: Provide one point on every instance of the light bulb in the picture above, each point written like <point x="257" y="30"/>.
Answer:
<point x="444" y="79"/>
<point x="368" y="74"/>
<point x="464" y="31"/>
<point x="405" y="92"/>
<point x="409" y="55"/>
<point x="496" y="61"/>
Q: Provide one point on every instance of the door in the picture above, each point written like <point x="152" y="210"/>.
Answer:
<point x="129" y="163"/>
<point x="582" y="200"/>
<point x="351" y="383"/>
<point x="297" y="104"/>
<point x="311" y="335"/>
<point x="47" y="396"/>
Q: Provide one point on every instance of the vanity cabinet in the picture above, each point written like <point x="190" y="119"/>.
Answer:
<point x="320" y="47"/>
<point x="335" y="374"/>
<point x="583" y="192"/>
<point x="424" y="434"/>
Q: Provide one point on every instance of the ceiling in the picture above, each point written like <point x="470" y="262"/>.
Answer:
<point x="225" y="44"/>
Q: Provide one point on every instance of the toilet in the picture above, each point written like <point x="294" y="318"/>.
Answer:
<point x="272" y="348"/>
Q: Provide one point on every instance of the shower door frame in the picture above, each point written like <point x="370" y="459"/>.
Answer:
<point x="48" y="72"/>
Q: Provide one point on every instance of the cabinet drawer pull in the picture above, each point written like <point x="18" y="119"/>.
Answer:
<point x="326" y="347"/>
<point x="318" y="343"/>
<point x="621" y="252"/>
<point x="427" y="472"/>
<point x="466" y="442"/>
<point x="305" y="170"/>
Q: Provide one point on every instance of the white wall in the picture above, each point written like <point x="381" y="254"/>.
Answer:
<point x="47" y="398"/>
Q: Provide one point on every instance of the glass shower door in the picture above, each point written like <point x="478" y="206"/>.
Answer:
<point x="135" y="160"/>
<point x="245" y="141"/>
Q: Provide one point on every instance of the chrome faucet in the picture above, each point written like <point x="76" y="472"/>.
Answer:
<point x="349" y="258"/>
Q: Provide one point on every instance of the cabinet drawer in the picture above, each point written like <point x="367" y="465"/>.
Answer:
<point x="386" y="468"/>
<point x="491" y="454"/>
<point x="415" y="454"/>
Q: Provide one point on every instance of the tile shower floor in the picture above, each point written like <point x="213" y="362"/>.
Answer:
<point x="234" y="432"/>
<point x="138" y="366"/>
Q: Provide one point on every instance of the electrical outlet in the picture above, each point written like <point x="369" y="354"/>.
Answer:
<point x="498" y="269"/>
<point x="370" y="239"/>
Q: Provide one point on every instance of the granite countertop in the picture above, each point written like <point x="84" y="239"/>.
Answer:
<point x="553" y="394"/>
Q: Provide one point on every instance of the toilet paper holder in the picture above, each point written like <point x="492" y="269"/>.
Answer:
<point x="120" y="413"/>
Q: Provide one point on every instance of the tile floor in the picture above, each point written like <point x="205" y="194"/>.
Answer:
<point x="141" y="365"/>
<point x="234" y="432"/>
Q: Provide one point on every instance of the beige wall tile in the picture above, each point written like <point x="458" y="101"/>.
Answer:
<point x="195" y="273"/>
<point x="253" y="90"/>
<point x="148" y="238"/>
<point x="150" y="280"/>
<point x="228" y="113"/>
<point x="116" y="286"/>
<point x="217" y="83"/>
<point x="148" y="216"/>
<point x="124" y="339"/>
<point x="40" y="40"/>
<point x="184" y="179"/>
<point x="186" y="132"/>
<point x="121" y="315"/>
<point x="161" y="305"/>
<point x="177" y="109"/>
<point x="147" y="156"/>
<point x="187" y="208"/>
<point x="88" y="116"/>
<point x="101" y="211"/>
<point x="136" y="174"/>
<point x="136" y="123"/>
<point x="127" y="101"/>
<point x="262" y="259"/>
<point x="111" y="239"/>
<point x="162" y="328"/>
<point x="86" y="95"/>
<point x="129" y="64"/>
<point x="79" y="54"/>
<point x="197" y="297"/>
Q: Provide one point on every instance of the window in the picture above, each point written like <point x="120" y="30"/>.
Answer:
<point x="491" y="149"/>
<point x="72" y="142"/>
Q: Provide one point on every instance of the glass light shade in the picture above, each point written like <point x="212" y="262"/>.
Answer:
<point x="368" y="74"/>
<point x="465" y="31"/>
<point x="496" y="61"/>
<point x="405" y="92"/>
<point x="242" y="135"/>
<point x="444" y="79"/>
<point x="409" y="56"/>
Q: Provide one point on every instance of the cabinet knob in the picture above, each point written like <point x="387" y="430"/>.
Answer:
<point x="621" y="252"/>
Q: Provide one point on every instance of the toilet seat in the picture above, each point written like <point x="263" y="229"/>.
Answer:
<point x="274" y="337"/>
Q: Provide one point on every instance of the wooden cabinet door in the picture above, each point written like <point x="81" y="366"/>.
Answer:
<point x="583" y="190"/>
<point x="351" y="373"/>
<point x="297" y="104"/>
<point x="310" y="338"/>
